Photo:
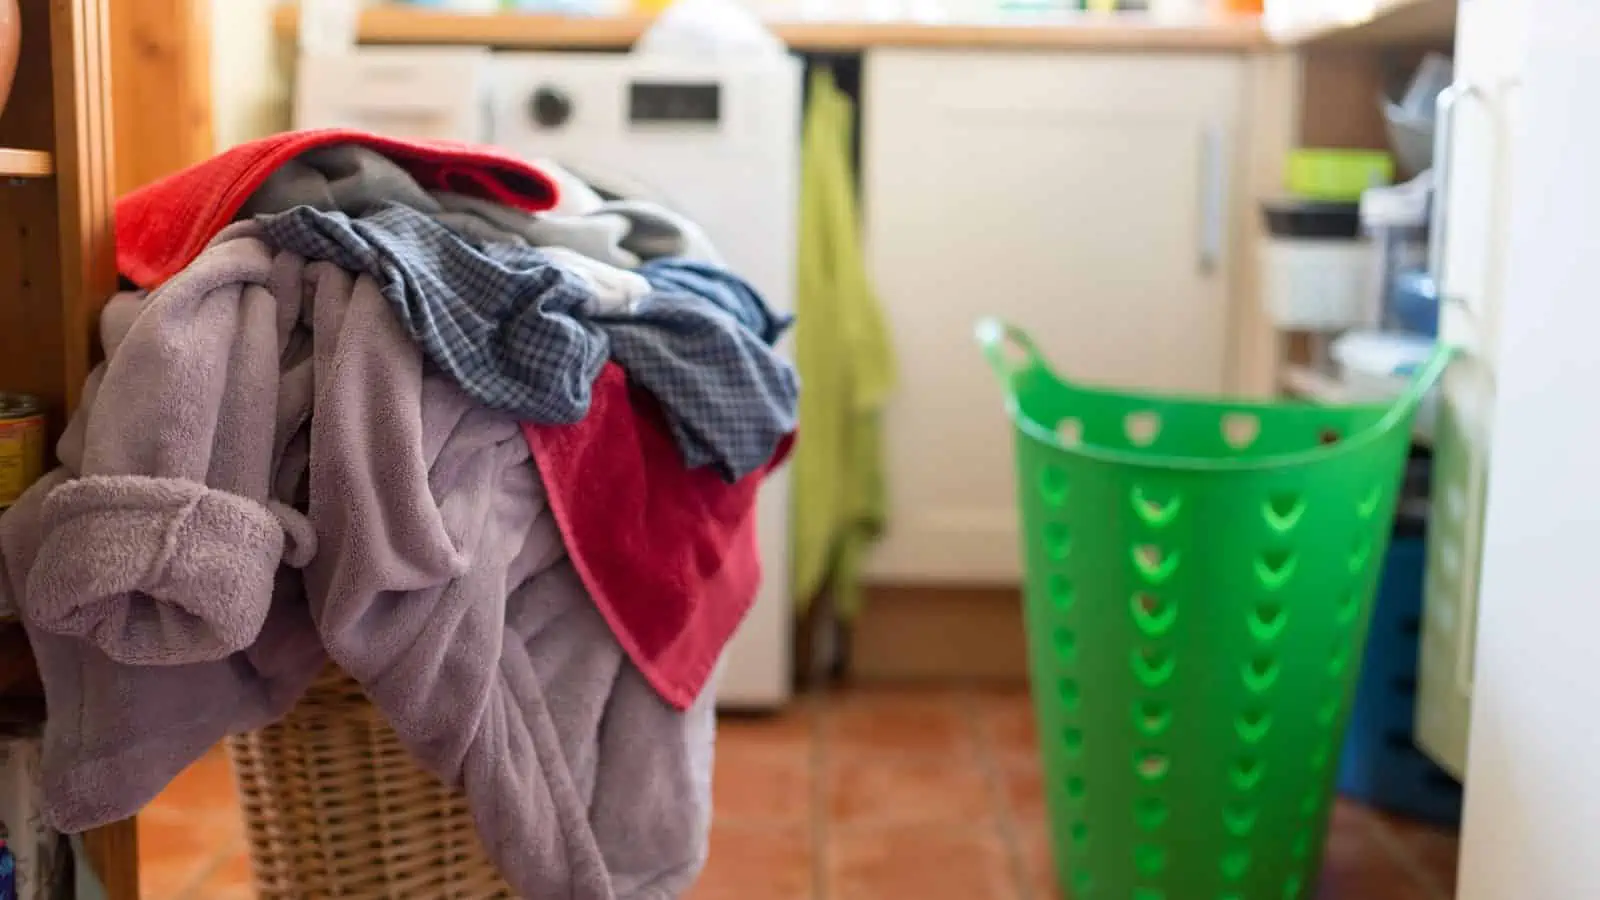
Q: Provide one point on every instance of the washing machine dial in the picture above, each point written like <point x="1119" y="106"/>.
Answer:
<point x="550" y="107"/>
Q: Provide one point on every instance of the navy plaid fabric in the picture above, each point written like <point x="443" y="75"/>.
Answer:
<point x="510" y="327"/>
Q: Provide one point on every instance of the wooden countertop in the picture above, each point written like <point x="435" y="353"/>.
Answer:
<point x="1377" y="23"/>
<point x="1124" y="31"/>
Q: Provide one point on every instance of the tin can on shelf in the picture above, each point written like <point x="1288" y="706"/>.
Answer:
<point x="22" y="434"/>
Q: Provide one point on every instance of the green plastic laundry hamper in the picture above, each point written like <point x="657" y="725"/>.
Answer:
<point x="1199" y="579"/>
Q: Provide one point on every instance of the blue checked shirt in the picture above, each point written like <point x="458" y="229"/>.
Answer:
<point x="512" y="328"/>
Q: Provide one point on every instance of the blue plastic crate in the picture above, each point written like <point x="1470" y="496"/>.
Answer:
<point x="1382" y="766"/>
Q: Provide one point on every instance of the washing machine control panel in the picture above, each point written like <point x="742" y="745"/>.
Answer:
<point x="648" y="103"/>
<point x="674" y="103"/>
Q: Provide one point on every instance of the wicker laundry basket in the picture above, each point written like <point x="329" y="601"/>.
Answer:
<point x="334" y="806"/>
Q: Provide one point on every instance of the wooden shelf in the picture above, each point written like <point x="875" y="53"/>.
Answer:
<point x="1309" y="384"/>
<point x="524" y="31"/>
<point x="1306" y="383"/>
<point x="26" y="163"/>
<point x="1377" y="23"/>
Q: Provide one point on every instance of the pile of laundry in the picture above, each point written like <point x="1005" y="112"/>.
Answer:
<point x="448" y="420"/>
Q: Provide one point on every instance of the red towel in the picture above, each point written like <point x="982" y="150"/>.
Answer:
<point x="668" y="553"/>
<point x="164" y="225"/>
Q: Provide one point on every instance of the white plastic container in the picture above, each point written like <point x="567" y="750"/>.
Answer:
<point x="1377" y="366"/>
<point x="1318" y="284"/>
<point x="1178" y="10"/>
<point x="1395" y="218"/>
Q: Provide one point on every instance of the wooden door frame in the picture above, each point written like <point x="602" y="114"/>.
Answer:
<point x="161" y="83"/>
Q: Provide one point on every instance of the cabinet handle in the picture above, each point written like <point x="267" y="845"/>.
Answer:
<point x="1467" y="604"/>
<point x="1443" y="140"/>
<point x="1213" y="197"/>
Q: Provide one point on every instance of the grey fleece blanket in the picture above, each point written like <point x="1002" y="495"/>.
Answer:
<point x="263" y="476"/>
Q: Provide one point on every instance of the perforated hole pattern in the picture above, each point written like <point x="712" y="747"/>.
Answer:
<point x="1147" y="851"/>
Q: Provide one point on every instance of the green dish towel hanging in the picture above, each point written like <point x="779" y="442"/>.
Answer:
<point x="846" y="367"/>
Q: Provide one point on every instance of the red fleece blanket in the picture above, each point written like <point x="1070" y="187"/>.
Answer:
<point x="164" y="225"/>
<point x="668" y="554"/>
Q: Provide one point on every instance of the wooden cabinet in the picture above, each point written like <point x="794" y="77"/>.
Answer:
<point x="1086" y="197"/>
<point x="57" y="267"/>
<point x="162" y="49"/>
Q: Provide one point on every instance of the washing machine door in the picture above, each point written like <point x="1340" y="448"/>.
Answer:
<point x="716" y="141"/>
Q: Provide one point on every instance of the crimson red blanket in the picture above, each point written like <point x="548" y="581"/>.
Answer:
<point x="164" y="225"/>
<point x="669" y="554"/>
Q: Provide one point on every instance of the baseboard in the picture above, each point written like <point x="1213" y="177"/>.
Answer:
<point x="925" y="634"/>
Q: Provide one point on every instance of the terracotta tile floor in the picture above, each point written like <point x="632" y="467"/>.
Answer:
<point x="863" y="795"/>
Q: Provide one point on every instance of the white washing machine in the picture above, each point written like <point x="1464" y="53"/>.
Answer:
<point x="718" y="141"/>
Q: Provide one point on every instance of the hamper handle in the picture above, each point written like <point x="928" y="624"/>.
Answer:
<point x="1008" y="349"/>
<point x="1421" y="383"/>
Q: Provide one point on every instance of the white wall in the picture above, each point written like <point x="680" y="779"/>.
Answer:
<point x="1533" y="782"/>
<point x="249" y="95"/>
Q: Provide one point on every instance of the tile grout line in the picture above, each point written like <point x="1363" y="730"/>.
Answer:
<point x="191" y="887"/>
<point x="1006" y="823"/>
<point x="1384" y="837"/>
<point x="820" y="809"/>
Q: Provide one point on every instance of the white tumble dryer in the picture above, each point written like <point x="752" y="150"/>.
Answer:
<point x="719" y="142"/>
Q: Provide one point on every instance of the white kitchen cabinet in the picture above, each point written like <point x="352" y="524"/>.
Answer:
<point x="1533" y="797"/>
<point x="1085" y="197"/>
<point x="1474" y="167"/>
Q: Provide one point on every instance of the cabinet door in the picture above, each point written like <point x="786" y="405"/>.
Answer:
<point x="1083" y="197"/>
<point x="1474" y="166"/>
